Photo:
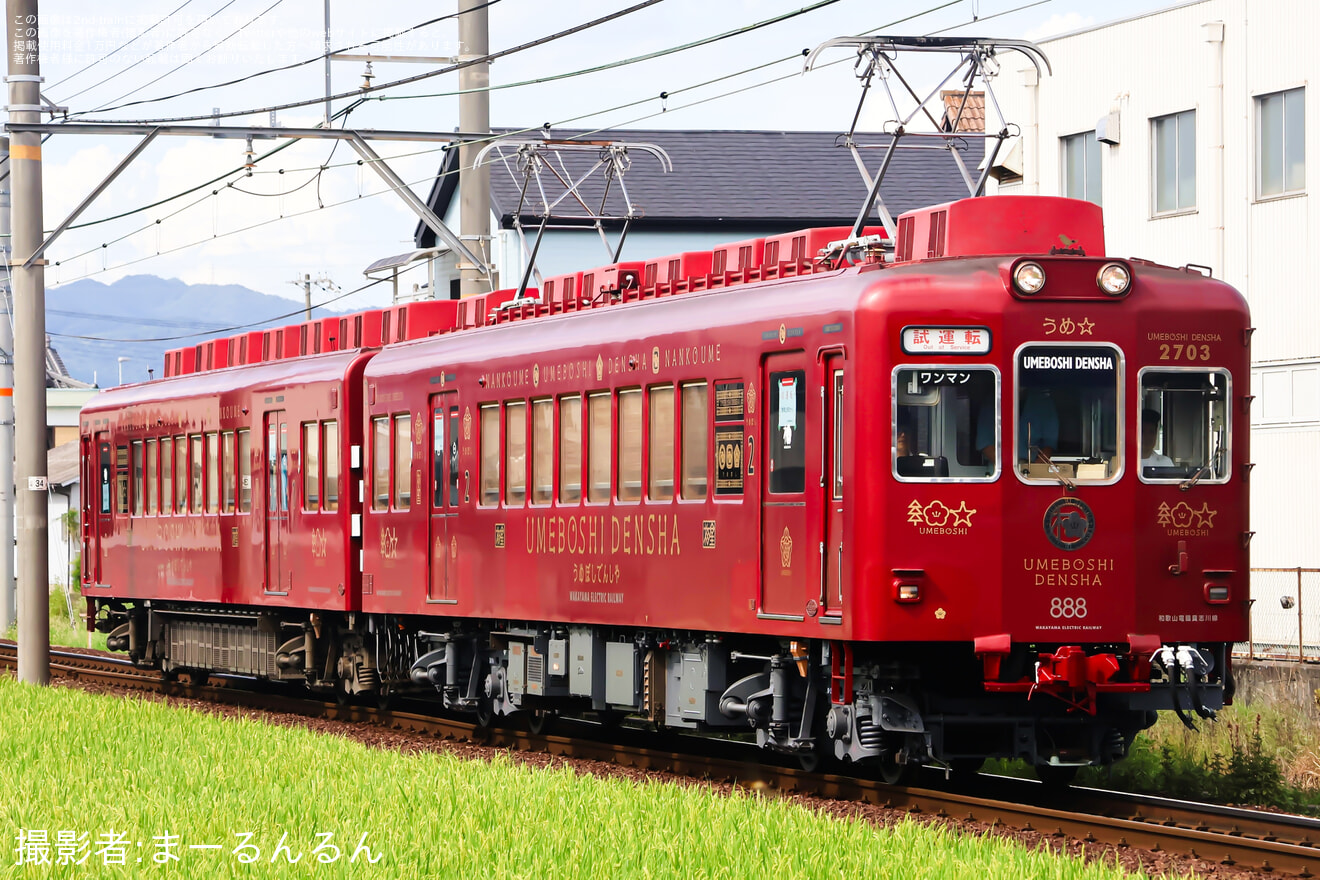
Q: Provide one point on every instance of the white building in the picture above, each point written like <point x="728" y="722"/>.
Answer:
<point x="1189" y="126"/>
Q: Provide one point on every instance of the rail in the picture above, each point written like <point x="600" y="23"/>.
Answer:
<point x="1236" y="838"/>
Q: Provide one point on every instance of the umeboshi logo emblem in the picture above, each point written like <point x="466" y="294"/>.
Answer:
<point x="655" y="359"/>
<point x="467" y="423"/>
<point x="600" y="367"/>
<point x="786" y="550"/>
<point x="1069" y="523"/>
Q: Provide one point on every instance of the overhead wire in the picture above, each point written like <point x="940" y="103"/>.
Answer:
<point x="504" y="134"/>
<point x="147" y="57"/>
<point x="120" y="48"/>
<point x="217" y="44"/>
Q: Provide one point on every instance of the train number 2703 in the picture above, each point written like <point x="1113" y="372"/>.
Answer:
<point x="1067" y="606"/>
<point x="1180" y="352"/>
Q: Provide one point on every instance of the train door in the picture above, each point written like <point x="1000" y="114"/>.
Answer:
<point x="442" y="586"/>
<point x="278" y="573"/>
<point x="101" y="521"/>
<point x="790" y="534"/>
<point x="831" y="593"/>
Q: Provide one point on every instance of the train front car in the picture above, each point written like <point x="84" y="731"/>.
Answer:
<point x="1058" y="546"/>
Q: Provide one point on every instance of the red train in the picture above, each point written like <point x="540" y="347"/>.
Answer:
<point x="981" y="493"/>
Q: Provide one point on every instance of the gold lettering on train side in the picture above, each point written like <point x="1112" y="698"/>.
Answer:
<point x="600" y="368"/>
<point x="320" y="543"/>
<point x="499" y="536"/>
<point x="536" y="375"/>
<point x="639" y="534"/>
<point x="467" y="423"/>
<point x="691" y="355"/>
<point x="938" y="518"/>
<point x="1184" y="521"/>
<point x="389" y="543"/>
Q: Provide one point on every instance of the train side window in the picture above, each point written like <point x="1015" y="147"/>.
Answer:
<point x="1068" y="414"/>
<point x="543" y="451"/>
<point x="227" y="471"/>
<point x="515" y="453"/>
<point x="598" y="447"/>
<point x="1185" y="428"/>
<point x="330" y="451"/>
<point x="244" y="471"/>
<point x="121" y="479"/>
<point x="788" y="448"/>
<point x="660" y="446"/>
<point x="166" y="475"/>
<point x="380" y="463"/>
<point x="153" y="476"/>
<point x="403" y="459"/>
<point x="630" y="445"/>
<point x="945" y="423"/>
<point x="696" y="434"/>
<point x="570" y="449"/>
<point x="212" y="473"/>
<point x="180" y="474"/>
<point x="311" y="467"/>
<point x="195" y="469"/>
<point x="490" y="454"/>
<point x="138" y="494"/>
<point x="453" y="457"/>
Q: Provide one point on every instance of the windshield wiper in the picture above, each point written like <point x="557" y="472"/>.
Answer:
<point x="1054" y="470"/>
<point x="1194" y="478"/>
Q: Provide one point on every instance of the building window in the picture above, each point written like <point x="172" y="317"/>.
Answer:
<point x="1081" y="167"/>
<point x="1174" y="137"/>
<point x="1281" y="143"/>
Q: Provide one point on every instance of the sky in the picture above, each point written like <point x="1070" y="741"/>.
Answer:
<point x="312" y="209"/>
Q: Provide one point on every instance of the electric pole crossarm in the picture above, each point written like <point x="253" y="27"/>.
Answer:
<point x="91" y="197"/>
<point x="377" y="164"/>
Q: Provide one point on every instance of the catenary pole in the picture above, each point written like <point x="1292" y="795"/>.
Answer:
<point x="473" y="116"/>
<point x="8" y="595"/>
<point x="29" y="345"/>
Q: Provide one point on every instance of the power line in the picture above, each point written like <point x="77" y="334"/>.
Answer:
<point x="112" y="52"/>
<point x="205" y="51"/>
<point x="295" y="64"/>
<point x="148" y="57"/>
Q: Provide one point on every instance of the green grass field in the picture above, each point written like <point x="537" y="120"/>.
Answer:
<point x="79" y="763"/>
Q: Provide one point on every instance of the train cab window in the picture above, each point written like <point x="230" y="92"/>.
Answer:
<point x="195" y="470"/>
<point x="1184" y="432"/>
<point x="380" y="463"/>
<point x="598" y="447"/>
<point x="696" y="428"/>
<point x="543" y="451"/>
<point x="138" y="494"/>
<point x="227" y="471"/>
<point x="403" y="460"/>
<point x="1067" y="426"/>
<point x="946" y="424"/>
<point x="630" y="445"/>
<point x="330" y="449"/>
<point x="311" y="467"/>
<point x="788" y="447"/>
<point x="660" y="444"/>
<point x="570" y="449"/>
<point x="515" y="453"/>
<point x="153" y="471"/>
<point x="212" y="473"/>
<point x="166" y="475"/>
<point x="490" y="454"/>
<point x="180" y="474"/>
<point x="244" y="471"/>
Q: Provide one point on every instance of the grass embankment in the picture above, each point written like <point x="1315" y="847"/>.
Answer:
<point x="82" y="763"/>
<point x="62" y="632"/>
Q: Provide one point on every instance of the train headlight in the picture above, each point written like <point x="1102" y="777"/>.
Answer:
<point x="1113" y="279"/>
<point x="906" y="592"/>
<point x="1029" y="277"/>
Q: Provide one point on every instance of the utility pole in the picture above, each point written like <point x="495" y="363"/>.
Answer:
<point x="473" y="116"/>
<point x="8" y="595"/>
<point x="29" y="344"/>
<point x="328" y="93"/>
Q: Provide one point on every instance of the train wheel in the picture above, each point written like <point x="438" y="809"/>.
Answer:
<point x="485" y="715"/>
<point x="199" y="677"/>
<point x="540" y="720"/>
<point x="892" y="772"/>
<point x="1055" y="776"/>
<point x="384" y="699"/>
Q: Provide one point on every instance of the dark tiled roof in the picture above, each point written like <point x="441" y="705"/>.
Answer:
<point x="770" y="179"/>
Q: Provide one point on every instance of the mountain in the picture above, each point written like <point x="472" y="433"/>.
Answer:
<point x="92" y="324"/>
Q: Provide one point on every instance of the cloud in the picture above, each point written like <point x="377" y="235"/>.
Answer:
<point x="1059" y="24"/>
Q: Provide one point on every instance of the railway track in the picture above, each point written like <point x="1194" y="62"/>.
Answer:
<point x="1236" y="838"/>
